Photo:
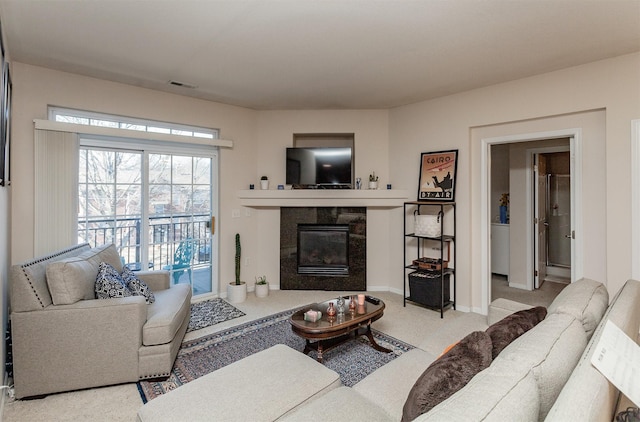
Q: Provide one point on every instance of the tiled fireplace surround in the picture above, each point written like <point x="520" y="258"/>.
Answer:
<point x="355" y="217"/>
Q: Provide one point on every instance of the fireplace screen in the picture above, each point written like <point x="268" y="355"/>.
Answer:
<point x="323" y="249"/>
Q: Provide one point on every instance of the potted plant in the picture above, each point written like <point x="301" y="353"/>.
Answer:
<point x="237" y="290"/>
<point x="373" y="181"/>
<point x="264" y="183"/>
<point x="262" y="286"/>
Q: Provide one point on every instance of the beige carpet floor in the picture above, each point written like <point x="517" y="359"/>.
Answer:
<point x="121" y="402"/>
<point x="541" y="297"/>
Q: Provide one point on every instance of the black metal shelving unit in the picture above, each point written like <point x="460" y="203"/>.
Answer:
<point x="446" y="240"/>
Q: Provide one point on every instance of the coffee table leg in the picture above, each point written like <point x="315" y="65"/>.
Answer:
<point x="373" y="342"/>
<point x="307" y="348"/>
<point x="317" y="348"/>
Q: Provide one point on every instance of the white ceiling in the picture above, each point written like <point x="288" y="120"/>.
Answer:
<point x="317" y="54"/>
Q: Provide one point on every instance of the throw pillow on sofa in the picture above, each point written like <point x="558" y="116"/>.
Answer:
<point x="109" y="283"/>
<point x="448" y="374"/>
<point x="70" y="280"/>
<point x="506" y="330"/>
<point x="137" y="286"/>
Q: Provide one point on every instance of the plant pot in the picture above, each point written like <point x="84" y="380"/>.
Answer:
<point x="236" y="293"/>
<point x="264" y="184"/>
<point x="373" y="185"/>
<point x="262" y="290"/>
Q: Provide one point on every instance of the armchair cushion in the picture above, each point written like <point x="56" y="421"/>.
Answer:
<point x="71" y="280"/>
<point x="166" y="315"/>
<point x="109" y="284"/>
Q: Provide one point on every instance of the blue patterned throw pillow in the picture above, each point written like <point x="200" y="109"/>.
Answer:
<point x="109" y="283"/>
<point x="137" y="286"/>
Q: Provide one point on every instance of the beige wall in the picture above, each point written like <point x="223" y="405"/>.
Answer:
<point x="389" y="142"/>
<point x="276" y="129"/>
<point x="35" y="88"/>
<point x="610" y="85"/>
<point x="259" y="139"/>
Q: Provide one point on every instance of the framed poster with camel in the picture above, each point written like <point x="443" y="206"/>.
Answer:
<point x="438" y="176"/>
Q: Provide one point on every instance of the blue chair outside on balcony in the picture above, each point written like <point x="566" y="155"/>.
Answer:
<point x="181" y="260"/>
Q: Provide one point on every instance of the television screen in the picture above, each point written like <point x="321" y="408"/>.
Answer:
<point x="319" y="166"/>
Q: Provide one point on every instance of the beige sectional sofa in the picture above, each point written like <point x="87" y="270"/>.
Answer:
<point x="65" y="339"/>
<point x="545" y="374"/>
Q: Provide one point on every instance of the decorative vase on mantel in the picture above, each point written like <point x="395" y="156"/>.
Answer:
<point x="373" y="181"/>
<point x="264" y="183"/>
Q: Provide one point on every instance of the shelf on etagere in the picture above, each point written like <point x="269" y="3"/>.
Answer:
<point x="446" y="305"/>
<point x="445" y="238"/>
<point x="416" y="268"/>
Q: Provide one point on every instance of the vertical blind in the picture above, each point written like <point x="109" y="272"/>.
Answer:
<point x="56" y="185"/>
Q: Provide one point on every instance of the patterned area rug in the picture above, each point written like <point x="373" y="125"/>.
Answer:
<point x="211" y="312"/>
<point x="353" y="360"/>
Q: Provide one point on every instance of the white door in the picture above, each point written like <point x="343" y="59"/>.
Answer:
<point x="540" y="220"/>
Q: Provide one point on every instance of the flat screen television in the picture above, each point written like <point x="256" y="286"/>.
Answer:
<point x="320" y="167"/>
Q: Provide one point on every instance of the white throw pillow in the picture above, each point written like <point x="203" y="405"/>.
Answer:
<point x="71" y="280"/>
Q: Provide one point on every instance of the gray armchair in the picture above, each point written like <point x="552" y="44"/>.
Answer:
<point x="65" y="339"/>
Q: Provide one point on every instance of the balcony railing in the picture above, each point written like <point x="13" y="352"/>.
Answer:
<point x="165" y="235"/>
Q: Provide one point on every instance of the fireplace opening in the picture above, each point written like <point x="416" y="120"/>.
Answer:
<point x="323" y="249"/>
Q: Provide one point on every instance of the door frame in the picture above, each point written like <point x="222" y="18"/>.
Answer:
<point x="576" y="151"/>
<point x="635" y="197"/>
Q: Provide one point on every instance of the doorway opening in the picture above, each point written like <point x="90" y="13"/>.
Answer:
<point x="522" y="262"/>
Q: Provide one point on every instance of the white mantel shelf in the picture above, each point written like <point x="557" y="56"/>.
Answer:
<point x="380" y="198"/>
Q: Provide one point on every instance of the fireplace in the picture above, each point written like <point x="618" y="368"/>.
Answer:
<point x="323" y="249"/>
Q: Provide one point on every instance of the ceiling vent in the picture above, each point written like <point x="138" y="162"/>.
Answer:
<point x="182" y="84"/>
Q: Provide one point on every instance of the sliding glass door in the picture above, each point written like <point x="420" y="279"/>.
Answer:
<point x="156" y="207"/>
<point x="180" y="218"/>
